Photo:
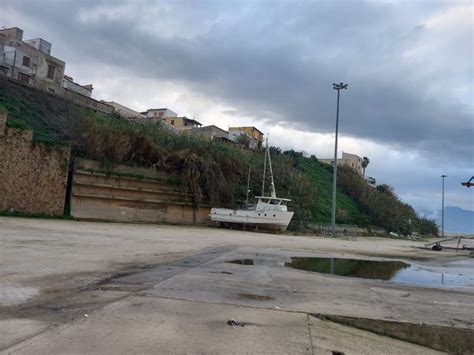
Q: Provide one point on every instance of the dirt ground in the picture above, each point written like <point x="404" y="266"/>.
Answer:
<point x="61" y="281"/>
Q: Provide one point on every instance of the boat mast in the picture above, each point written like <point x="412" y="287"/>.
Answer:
<point x="264" y="169"/>
<point x="272" y="186"/>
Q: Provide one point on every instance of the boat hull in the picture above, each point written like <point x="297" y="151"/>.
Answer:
<point x="272" y="220"/>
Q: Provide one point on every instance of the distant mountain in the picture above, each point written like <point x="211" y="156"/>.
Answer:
<point x="456" y="219"/>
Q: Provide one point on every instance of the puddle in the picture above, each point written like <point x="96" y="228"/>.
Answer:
<point x="241" y="261"/>
<point x="395" y="271"/>
<point x="251" y="296"/>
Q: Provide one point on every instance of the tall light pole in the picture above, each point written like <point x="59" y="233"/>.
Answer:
<point x="442" y="206"/>
<point x="337" y="87"/>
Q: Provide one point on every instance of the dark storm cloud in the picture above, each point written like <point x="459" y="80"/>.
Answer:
<point x="278" y="60"/>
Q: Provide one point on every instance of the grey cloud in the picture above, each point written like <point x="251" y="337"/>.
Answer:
<point x="278" y="60"/>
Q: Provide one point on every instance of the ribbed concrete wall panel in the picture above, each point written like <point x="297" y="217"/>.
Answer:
<point x="101" y="195"/>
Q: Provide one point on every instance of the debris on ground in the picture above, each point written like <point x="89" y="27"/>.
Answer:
<point x="233" y="322"/>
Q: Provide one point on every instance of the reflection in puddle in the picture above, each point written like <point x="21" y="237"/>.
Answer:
<point x="395" y="271"/>
<point x="367" y="269"/>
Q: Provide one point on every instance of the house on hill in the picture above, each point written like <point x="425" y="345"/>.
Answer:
<point x="351" y="160"/>
<point x="30" y="61"/>
<point x="182" y="123"/>
<point x="69" y="84"/>
<point x="159" y="113"/>
<point x="125" y="111"/>
<point x="210" y="132"/>
<point x="255" y="135"/>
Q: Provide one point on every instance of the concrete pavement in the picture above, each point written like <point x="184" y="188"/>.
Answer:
<point x="147" y="288"/>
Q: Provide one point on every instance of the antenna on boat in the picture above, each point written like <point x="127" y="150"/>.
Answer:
<point x="248" y="188"/>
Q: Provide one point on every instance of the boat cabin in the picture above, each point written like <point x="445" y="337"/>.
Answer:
<point x="268" y="203"/>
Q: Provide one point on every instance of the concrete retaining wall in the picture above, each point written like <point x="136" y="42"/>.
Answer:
<point x="33" y="177"/>
<point x="129" y="194"/>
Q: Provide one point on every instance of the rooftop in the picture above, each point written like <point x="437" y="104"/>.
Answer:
<point x="255" y="128"/>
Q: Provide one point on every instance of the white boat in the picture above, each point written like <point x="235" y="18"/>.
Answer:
<point x="270" y="212"/>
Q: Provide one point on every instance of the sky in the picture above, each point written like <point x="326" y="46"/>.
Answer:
<point x="409" y="66"/>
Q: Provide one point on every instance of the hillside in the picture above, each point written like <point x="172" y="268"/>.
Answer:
<point x="211" y="171"/>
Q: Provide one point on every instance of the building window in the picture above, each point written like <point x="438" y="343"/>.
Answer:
<point x="50" y="72"/>
<point x="26" y="61"/>
<point x="172" y="122"/>
<point x="23" y="78"/>
<point x="155" y="114"/>
<point x="161" y="114"/>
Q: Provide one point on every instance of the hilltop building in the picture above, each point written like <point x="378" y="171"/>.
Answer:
<point x="30" y="61"/>
<point x="69" y="84"/>
<point x="124" y="111"/>
<point x="255" y="135"/>
<point x="159" y="113"/>
<point x="170" y="119"/>
<point x="351" y="160"/>
<point x="182" y="123"/>
<point x="210" y="132"/>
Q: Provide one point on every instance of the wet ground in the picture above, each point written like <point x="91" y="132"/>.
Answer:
<point x="457" y="273"/>
<point x="71" y="287"/>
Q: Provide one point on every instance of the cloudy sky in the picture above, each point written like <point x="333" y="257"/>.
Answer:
<point x="409" y="65"/>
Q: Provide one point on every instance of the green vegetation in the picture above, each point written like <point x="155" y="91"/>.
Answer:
<point x="320" y="175"/>
<point x="212" y="172"/>
<point x="383" y="205"/>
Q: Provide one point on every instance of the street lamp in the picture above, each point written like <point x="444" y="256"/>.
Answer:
<point x="442" y="206"/>
<point x="337" y="87"/>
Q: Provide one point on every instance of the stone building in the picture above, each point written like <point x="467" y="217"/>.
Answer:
<point x="30" y="61"/>
<point x="351" y="160"/>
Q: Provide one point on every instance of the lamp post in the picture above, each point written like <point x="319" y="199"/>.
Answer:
<point x="442" y="206"/>
<point x="337" y="87"/>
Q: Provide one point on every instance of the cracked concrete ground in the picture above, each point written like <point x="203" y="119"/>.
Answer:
<point x="82" y="287"/>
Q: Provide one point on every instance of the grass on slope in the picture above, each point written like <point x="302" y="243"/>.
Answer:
<point x="348" y="210"/>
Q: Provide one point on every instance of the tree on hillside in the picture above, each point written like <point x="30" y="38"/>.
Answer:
<point x="365" y="163"/>
<point x="426" y="226"/>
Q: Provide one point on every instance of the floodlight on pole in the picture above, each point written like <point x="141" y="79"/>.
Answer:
<point x="338" y="87"/>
